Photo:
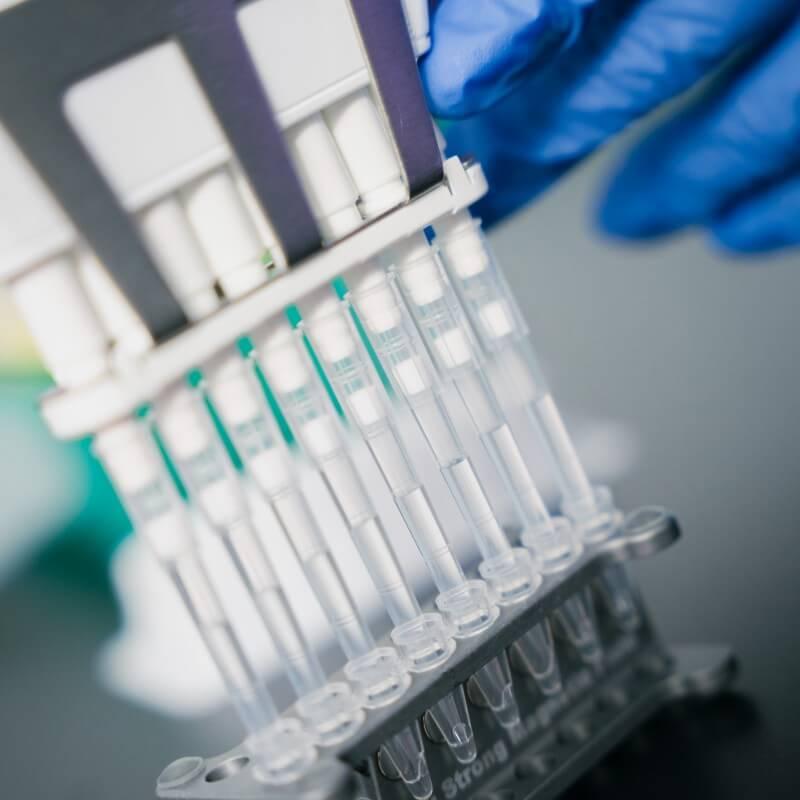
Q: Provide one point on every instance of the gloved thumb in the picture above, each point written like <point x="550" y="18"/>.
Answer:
<point x="482" y="48"/>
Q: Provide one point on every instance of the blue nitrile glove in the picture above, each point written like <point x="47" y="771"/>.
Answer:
<point x="730" y="160"/>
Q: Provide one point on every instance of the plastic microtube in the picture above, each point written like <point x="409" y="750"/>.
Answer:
<point x="620" y="596"/>
<point x="230" y="382"/>
<point x="407" y="755"/>
<point x="465" y="603"/>
<point x="280" y="747"/>
<point x="330" y="708"/>
<point x="453" y="350"/>
<point x="503" y="336"/>
<point x="422" y="637"/>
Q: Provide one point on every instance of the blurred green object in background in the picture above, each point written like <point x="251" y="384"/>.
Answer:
<point x="60" y="514"/>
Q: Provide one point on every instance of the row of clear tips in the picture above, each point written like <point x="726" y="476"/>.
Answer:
<point x="332" y="710"/>
<point x="316" y="426"/>
<point x="395" y="340"/>
<point x="465" y="604"/>
<point x="448" y="336"/>
<point x="242" y="407"/>
<point x="502" y="333"/>
<point x="281" y="748"/>
<point x="423" y="639"/>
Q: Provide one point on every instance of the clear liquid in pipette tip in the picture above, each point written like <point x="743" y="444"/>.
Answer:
<point x="505" y="452"/>
<point x="418" y="514"/>
<point x="464" y="484"/>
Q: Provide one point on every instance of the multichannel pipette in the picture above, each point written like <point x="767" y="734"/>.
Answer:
<point x="145" y="259"/>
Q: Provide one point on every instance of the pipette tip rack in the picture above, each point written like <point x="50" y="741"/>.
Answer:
<point x="558" y="738"/>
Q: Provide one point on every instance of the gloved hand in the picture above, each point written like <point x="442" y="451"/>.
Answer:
<point x="729" y="160"/>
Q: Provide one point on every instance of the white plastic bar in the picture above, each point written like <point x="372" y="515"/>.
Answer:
<point x="65" y="328"/>
<point x="325" y="179"/>
<point x="180" y="259"/>
<point x="82" y="410"/>
<point x="367" y="151"/>
<point x="226" y="232"/>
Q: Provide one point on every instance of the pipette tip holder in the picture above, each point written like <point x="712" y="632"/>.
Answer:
<point x="560" y="733"/>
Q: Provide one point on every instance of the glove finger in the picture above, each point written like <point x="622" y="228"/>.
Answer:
<point x="482" y="48"/>
<point x="627" y="61"/>
<point x="744" y="135"/>
<point x="765" y="222"/>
